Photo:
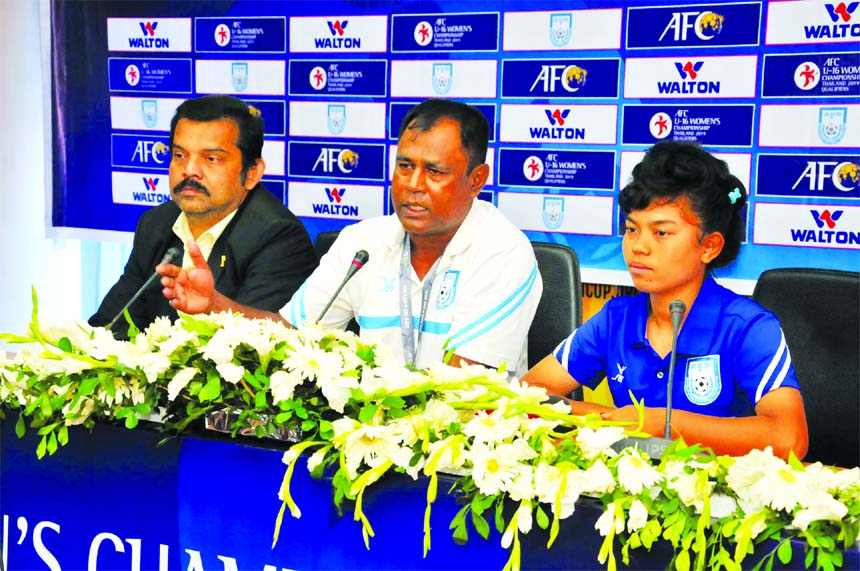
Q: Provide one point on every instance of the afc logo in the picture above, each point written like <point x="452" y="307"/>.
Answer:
<point x="571" y="77"/>
<point x="330" y="158"/>
<point x="660" y="125"/>
<point x="826" y="218"/>
<point x="533" y="168"/>
<point x="132" y="75"/>
<point x="843" y="176"/>
<point x="705" y="25"/>
<point x="222" y="35"/>
<point x="146" y="151"/>
<point x="807" y="75"/>
<point x="318" y="78"/>
<point x="423" y="33"/>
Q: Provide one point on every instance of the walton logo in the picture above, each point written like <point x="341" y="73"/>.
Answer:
<point x="842" y="27"/>
<point x="337" y="28"/>
<point x="826" y="218"/>
<point x="151" y="194"/>
<point x="150" y="184"/>
<point x="334" y="207"/>
<point x="148" y="40"/>
<point x="826" y="233"/>
<point x="689" y="72"/>
<point x="557" y="119"/>
<point x="335" y="195"/>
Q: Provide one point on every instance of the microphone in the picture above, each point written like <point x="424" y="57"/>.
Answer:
<point x="654" y="446"/>
<point x="677" y="309"/>
<point x="170" y="256"/>
<point x="357" y="263"/>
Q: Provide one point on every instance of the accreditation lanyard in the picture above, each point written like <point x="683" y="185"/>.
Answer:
<point x="410" y="346"/>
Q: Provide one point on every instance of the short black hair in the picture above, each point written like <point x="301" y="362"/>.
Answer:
<point x="214" y="107"/>
<point x="672" y="169"/>
<point x="474" y="128"/>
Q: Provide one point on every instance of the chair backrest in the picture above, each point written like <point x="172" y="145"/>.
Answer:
<point x="560" y="308"/>
<point x="819" y="311"/>
<point x="324" y="241"/>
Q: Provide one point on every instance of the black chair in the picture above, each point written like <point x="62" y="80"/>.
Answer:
<point x="324" y="241"/>
<point x="819" y="311"/>
<point x="559" y="311"/>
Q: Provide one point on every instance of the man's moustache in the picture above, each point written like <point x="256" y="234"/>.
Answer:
<point x="190" y="184"/>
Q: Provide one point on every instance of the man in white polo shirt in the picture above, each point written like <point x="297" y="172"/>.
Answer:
<point x="447" y="272"/>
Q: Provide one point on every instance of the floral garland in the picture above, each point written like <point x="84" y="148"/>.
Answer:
<point x="360" y="415"/>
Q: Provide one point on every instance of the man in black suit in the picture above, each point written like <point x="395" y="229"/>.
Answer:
<point x="259" y="252"/>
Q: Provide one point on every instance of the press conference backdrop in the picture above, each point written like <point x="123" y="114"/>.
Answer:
<point x="575" y="92"/>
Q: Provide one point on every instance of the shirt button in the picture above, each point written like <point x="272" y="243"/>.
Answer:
<point x="660" y="374"/>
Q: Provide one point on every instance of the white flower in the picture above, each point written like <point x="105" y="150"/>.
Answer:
<point x="523" y="517"/>
<point x="373" y="445"/>
<point x="494" y="468"/>
<point x="230" y="372"/>
<point x="612" y="518"/>
<point x="290" y="456"/>
<point x="81" y="411"/>
<point x="283" y="384"/>
<point x="637" y="517"/>
<point x="337" y="390"/>
<point x="449" y="454"/>
<point x="312" y="362"/>
<point x="684" y="484"/>
<point x="521" y="486"/>
<point x="722" y="505"/>
<point x="492" y="427"/>
<point x="179" y="381"/>
<point x="220" y="348"/>
<point x="600" y="441"/>
<point x="316" y="459"/>
<point x="437" y="416"/>
<point x="548" y="486"/>
<point x="747" y="470"/>
<point x="389" y="378"/>
<point x="823" y="508"/>
<point x="597" y="479"/>
<point x="635" y="472"/>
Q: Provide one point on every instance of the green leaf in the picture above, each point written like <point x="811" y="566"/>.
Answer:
<point x="308" y="425"/>
<point x="541" y="518"/>
<point x="394" y="402"/>
<point x="131" y="419"/>
<point x="784" y="552"/>
<point x="367" y="413"/>
<point x="65" y="344"/>
<point x="40" y="449"/>
<point x="682" y="561"/>
<point x="63" y="435"/>
<point x="260" y="399"/>
<point x="211" y="390"/>
<point x="461" y="534"/>
<point x="87" y="386"/>
<point x="19" y="427"/>
<point x="52" y="443"/>
<point x="481" y="525"/>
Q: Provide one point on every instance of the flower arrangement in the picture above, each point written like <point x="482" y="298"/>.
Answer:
<point x="360" y="416"/>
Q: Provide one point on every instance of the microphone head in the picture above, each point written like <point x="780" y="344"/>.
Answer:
<point x="360" y="258"/>
<point x="677" y="309"/>
<point x="172" y="255"/>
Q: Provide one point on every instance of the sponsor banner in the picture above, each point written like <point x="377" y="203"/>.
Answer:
<point x="739" y="165"/>
<point x="273" y="154"/>
<point x="491" y="162"/>
<point x="554" y="168"/>
<point x="809" y="126"/>
<point x="807" y="225"/>
<point x="142" y="113"/>
<point x="560" y="213"/>
<point x="445" y="32"/>
<point x="247" y="35"/>
<point x="725" y="125"/>
<point x="348" y="120"/>
<point x="812" y="22"/>
<point x="454" y="78"/>
<point x="339" y="201"/>
<point x="811" y="75"/>
<point x="274" y="114"/>
<point x="276" y="187"/>
<point x="549" y="78"/>
<point x="808" y="176"/>
<point x="146" y="189"/>
<point x="339" y="78"/>
<point x="694" y="25"/>
<point x="166" y="75"/>
<point x="353" y="161"/>
<point x="140" y="151"/>
<point x="598" y="29"/>
<point x="685" y="77"/>
<point x="570" y="124"/>
<point x="147" y="35"/>
<point x="257" y="77"/>
<point x="397" y="112"/>
<point x="343" y="34"/>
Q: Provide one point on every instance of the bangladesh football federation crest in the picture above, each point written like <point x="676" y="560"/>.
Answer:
<point x="553" y="212"/>
<point x="702" y="383"/>
<point x="239" y="75"/>
<point x="559" y="28"/>
<point x="443" y="75"/>
<point x="831" y="124"/>
<point x="448" y="290"/>
<point x="336" y="119"/>
<point x="149" y="112"/>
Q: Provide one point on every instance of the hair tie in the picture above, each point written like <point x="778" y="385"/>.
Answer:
<point x="734" y="195"/>
<point x="253" y="111"/>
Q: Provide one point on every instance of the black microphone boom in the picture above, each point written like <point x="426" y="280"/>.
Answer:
<point x="677" y="309"/>
<point x="357" y="263"/>
<point x="170" y="256"/>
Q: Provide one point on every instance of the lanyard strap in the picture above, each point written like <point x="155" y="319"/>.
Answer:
<point x="410" y="346"/>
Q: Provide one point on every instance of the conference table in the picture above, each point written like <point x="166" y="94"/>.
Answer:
<point x="128" y="499"/>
